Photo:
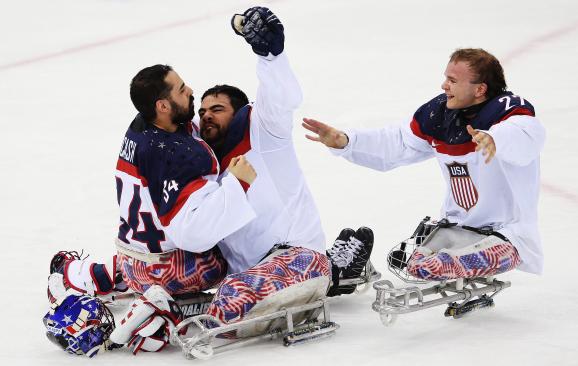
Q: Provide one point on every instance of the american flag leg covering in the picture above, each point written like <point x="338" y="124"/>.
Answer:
<point x="183" y="272"/>
<point x="241" y="292"/>
<point x="488" y="257"/>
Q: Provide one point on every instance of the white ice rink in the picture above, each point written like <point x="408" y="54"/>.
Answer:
<point x="65" y="68"/>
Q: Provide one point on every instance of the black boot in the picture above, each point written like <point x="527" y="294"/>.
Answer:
<point x="349" y="262"/>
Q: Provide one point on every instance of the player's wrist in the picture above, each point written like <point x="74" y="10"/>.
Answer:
<point x="342" y="140"/>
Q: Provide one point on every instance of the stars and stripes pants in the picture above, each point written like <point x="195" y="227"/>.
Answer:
<point x="181" y="272"/>
<point x="446" y="259"/>
<point x="241" y="292"/>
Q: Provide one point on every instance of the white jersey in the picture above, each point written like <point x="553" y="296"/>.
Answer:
<point x="502" y="194"/>
<point x="286" y="212"/>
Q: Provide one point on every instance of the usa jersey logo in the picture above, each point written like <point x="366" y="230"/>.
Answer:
<point x="463" y="189"/>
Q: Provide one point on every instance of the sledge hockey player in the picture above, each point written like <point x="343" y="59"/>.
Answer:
<point x="173" y="210"/>
<point x="487" y="141"/>
<point x="287" y="216"/>
<point x="286" y="237"/>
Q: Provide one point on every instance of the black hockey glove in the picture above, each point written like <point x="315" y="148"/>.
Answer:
<point x="261" y="29"/>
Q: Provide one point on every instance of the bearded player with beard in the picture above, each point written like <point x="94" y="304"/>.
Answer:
<point x="279" y="258"/>
<point x="172" y="209"/>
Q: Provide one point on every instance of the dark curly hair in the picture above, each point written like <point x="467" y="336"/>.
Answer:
<point x="237" y="96"/>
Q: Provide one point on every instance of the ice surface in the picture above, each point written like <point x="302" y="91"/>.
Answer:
<point x="65" y="67"/>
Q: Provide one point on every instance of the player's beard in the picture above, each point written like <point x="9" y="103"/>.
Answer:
<point x="180" y="115"/>
<point x="217" y="136"/>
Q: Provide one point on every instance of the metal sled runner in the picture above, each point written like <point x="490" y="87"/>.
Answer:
<point x="391" y="301"/>
<point x="201" y="344"/>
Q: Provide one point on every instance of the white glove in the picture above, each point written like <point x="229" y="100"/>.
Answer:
<point x="149" y="321"/>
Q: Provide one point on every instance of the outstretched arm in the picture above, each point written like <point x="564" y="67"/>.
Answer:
<point x="381" y="149"/>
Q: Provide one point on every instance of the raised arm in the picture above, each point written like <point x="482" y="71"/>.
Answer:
<point x="279" y="93"/>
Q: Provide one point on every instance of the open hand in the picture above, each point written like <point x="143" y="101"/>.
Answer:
<point x="484" y="142"/>
<point x="327" y="135"/>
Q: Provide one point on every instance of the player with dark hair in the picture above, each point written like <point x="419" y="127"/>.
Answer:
<point x="171" y="204"/>
<point x="287" y="230"/>
<point x="286" y="238"/>
<point x="173" y="211"/>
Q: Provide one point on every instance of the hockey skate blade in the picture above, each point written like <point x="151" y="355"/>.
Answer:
<point x="457" y="312"/>
<point x="310" y="333"/>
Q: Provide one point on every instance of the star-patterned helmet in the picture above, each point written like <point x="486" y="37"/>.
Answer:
<point x="79" y="324"/>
